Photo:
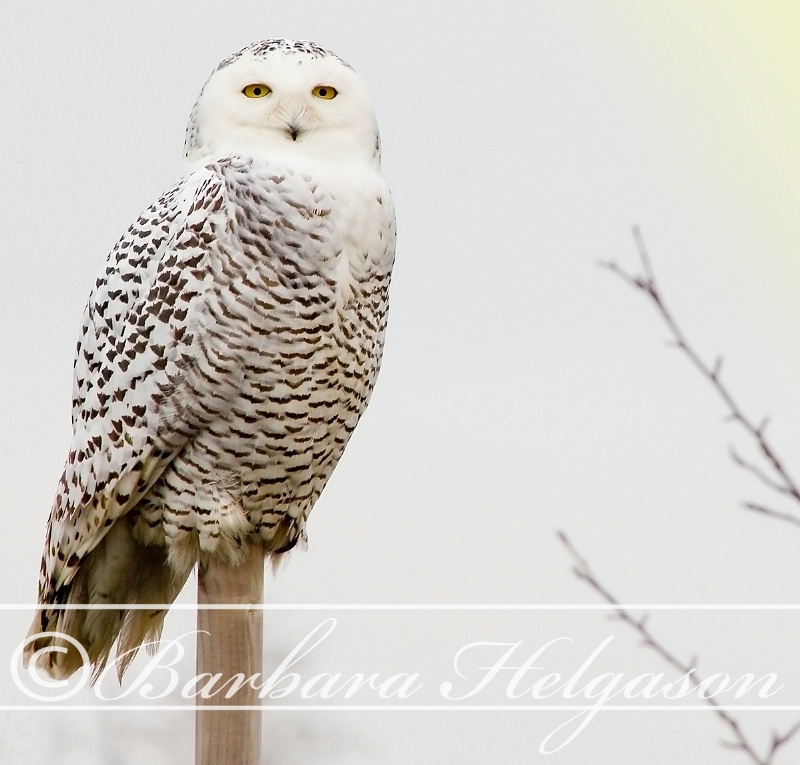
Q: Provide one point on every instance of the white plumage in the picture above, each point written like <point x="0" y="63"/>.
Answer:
<point x="228" y="348"/>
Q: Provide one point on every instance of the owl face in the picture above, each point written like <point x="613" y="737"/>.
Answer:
<point x="283" y="102"/>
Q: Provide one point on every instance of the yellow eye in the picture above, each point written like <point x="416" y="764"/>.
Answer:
<point x="325" y="91"/>
<point x="258" y="90"/>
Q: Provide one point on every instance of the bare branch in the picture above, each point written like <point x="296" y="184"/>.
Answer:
<point x="740" y="742"/>
<point x="783" y="483"/>
<point x="775" y="478"/>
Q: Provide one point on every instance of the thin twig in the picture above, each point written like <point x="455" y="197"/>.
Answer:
<point x="758" y="473"/>
<point x="647" y="284"/>
<point x="756" y="508"/>
<point x="584" y="572"/>
<point x="779" y="741"/>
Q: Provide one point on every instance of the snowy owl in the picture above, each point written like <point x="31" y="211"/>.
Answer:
<point x="228" y="349"/>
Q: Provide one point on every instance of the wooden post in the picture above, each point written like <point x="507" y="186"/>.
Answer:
<point x="234" y="645"/>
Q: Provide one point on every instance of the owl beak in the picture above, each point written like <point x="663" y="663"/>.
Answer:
<point x="293" y="116"/>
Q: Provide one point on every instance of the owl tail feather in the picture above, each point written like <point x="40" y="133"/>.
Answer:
<point x="121" y="571"/>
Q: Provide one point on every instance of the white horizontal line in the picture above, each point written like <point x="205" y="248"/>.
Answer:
<point x="399" y="708"/>
<point x="408" y="607"/>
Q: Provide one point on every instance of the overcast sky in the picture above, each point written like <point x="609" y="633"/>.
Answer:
<point x="524" y="389"/>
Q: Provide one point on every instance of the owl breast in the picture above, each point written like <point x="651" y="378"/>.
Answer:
<point x="290" y="334"/>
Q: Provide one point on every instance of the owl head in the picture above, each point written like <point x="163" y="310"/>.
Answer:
<point x="283" y="97"/>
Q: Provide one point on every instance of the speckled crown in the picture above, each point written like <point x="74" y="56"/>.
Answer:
<point x="264" y="48"/>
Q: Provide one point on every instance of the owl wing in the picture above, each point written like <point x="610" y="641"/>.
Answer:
<point x="131" y="411"/>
